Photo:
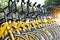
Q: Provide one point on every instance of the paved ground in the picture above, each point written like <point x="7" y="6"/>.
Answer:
<point x="58" y="21"/>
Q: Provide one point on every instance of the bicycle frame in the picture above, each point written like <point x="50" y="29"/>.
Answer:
<point x="2" y="30"/>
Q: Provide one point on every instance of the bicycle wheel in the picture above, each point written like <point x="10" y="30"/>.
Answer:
<point x="16" y="37"/>
<point x="48" y="34"/>
<point x="30" y="36"/>
<point x="43" y="34"/>
<point x="57" y="32"/>
<point x="39" y="35"/>
<point x="54" y="32"/>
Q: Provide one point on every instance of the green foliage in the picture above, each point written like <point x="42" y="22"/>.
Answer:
<point x="3" y="3"/>
<point x="1" y="16"/>
<point x="52" y="2"/>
